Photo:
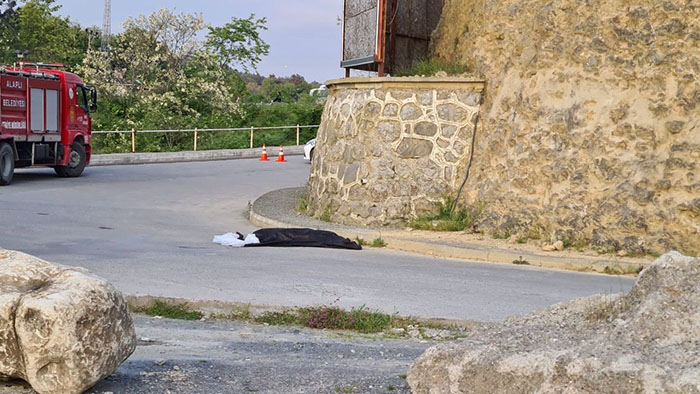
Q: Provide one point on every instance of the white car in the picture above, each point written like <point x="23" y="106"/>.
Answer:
<point x="309" y="150"/>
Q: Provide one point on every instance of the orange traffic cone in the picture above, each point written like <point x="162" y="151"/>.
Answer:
<point x="263" y="157"/>
<point x="280" y="156"/>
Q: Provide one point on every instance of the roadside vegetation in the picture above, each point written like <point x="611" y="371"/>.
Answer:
<point x="376" y="243"/>
<point x="359" y="319"/>
<point x="430" y="67"/>
<point x="170" y="311"/>
<point x="327" y="317"/>
<point x="460" y="219"/>
<point x="360" y="241"/>
<point x="167" y="71"/>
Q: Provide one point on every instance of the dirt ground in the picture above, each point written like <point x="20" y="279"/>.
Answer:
<point x="218" y="356"/>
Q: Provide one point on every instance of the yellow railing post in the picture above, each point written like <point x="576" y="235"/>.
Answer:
<point x="195" y="139"/>
<point x="297" y="134"/>
<point x="133" y="140"/>
<point x="251" y="137"/>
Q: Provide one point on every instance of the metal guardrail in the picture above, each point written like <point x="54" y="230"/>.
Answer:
<point x="196" y="132"/>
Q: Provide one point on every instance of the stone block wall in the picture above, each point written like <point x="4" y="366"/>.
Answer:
<point x="590" y="129"/>
<point x="389" y="149"/>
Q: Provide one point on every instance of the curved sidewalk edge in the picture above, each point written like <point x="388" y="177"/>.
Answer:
<point x="278" y="209"/>
<point x="188" y="156"/>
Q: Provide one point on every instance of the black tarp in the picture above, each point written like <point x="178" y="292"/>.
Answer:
<point x="288" y="237"/>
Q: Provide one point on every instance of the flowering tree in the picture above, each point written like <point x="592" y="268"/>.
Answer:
<point x="159" y="75"/>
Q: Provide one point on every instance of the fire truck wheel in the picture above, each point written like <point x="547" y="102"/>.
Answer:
<point x="76" y="162"/>
<point x="7" y="163"/>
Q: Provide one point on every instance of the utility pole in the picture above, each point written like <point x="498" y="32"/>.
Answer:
<point x="107" y="25"/>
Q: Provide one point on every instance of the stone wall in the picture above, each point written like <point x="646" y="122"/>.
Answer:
<point x="389" y="149"/>
<point x="590" y="129"/>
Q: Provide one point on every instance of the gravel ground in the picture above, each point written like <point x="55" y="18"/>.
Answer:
<point x="216" y="356"/>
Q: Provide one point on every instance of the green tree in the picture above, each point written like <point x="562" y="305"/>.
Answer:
<point x="47" y="37"/>
<point x="8" y="29"/>
<point x="238" y="43"/>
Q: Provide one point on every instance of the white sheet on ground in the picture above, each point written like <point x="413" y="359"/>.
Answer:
<point x="231" y="239"/>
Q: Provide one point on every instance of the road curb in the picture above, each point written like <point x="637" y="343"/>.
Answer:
<point x="188" y="156"/>
<point x="396" y="240"/>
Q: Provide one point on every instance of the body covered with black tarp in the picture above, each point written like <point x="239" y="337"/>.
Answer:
<point x="302" y="237"/>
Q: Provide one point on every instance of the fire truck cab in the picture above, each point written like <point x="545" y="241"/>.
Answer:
<point x="44" y="120"/>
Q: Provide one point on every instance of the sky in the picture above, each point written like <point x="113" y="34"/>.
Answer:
<point x="303" y="35"/>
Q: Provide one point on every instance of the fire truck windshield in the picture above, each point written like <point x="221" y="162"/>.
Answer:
<point x="82" y="98"/>
<point x="87" y="98"/>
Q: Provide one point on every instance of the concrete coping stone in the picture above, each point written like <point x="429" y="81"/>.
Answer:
<point x="474" y="84"/>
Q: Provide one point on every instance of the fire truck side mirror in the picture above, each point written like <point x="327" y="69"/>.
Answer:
<point x="93" y="99"/>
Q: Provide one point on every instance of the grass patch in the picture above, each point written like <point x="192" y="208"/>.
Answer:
<point x="578" y="244"/>
<point x="326" y="215"/>
<point x="361" y="320"/>
<point x="459" y="220"/>
<point x="378" y="243"/>
<point x="498" y="234"/>
<point x="622" y="269"/>
<point x="642" y="254"/>
<point x="239" y="313"/>
<point x="303" y="204"/>
<point x="331" y="317"/>
<point x="361" y="241"/>
<point x="607" y="308"/>
<point x="287" y="318"/>
<point x="521" y="261"/>
<point x="430" y="67"/>
<point x="170" y="311"/>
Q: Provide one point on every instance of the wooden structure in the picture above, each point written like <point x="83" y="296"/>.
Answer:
<point x="384" y="35"/>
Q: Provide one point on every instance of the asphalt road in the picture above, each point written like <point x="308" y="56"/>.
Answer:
<point x="148" y="229"/>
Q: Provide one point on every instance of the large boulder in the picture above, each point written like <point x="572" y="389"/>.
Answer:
<point x="645" y="341"/>
<point x="61" y="329"/>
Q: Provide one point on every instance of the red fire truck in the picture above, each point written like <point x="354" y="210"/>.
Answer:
<point x="45" y="120"/>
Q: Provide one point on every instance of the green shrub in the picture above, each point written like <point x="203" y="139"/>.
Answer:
<point x="458" y="220"/>
<point x="174" y="311"/>
<point x="331" y="317"/>
<point x="430" y="67"/>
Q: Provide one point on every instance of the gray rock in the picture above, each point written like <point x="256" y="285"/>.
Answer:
<point x="390" y="130"/>
<point x="410" y="111"/>
<point x="426" y="129"/>
<point x="646" y="341"/>
<point x="61" y="329"/>
<point x="390" y="110"/>
<point x="451" y="113"/>
<point x="413" y="148"/>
